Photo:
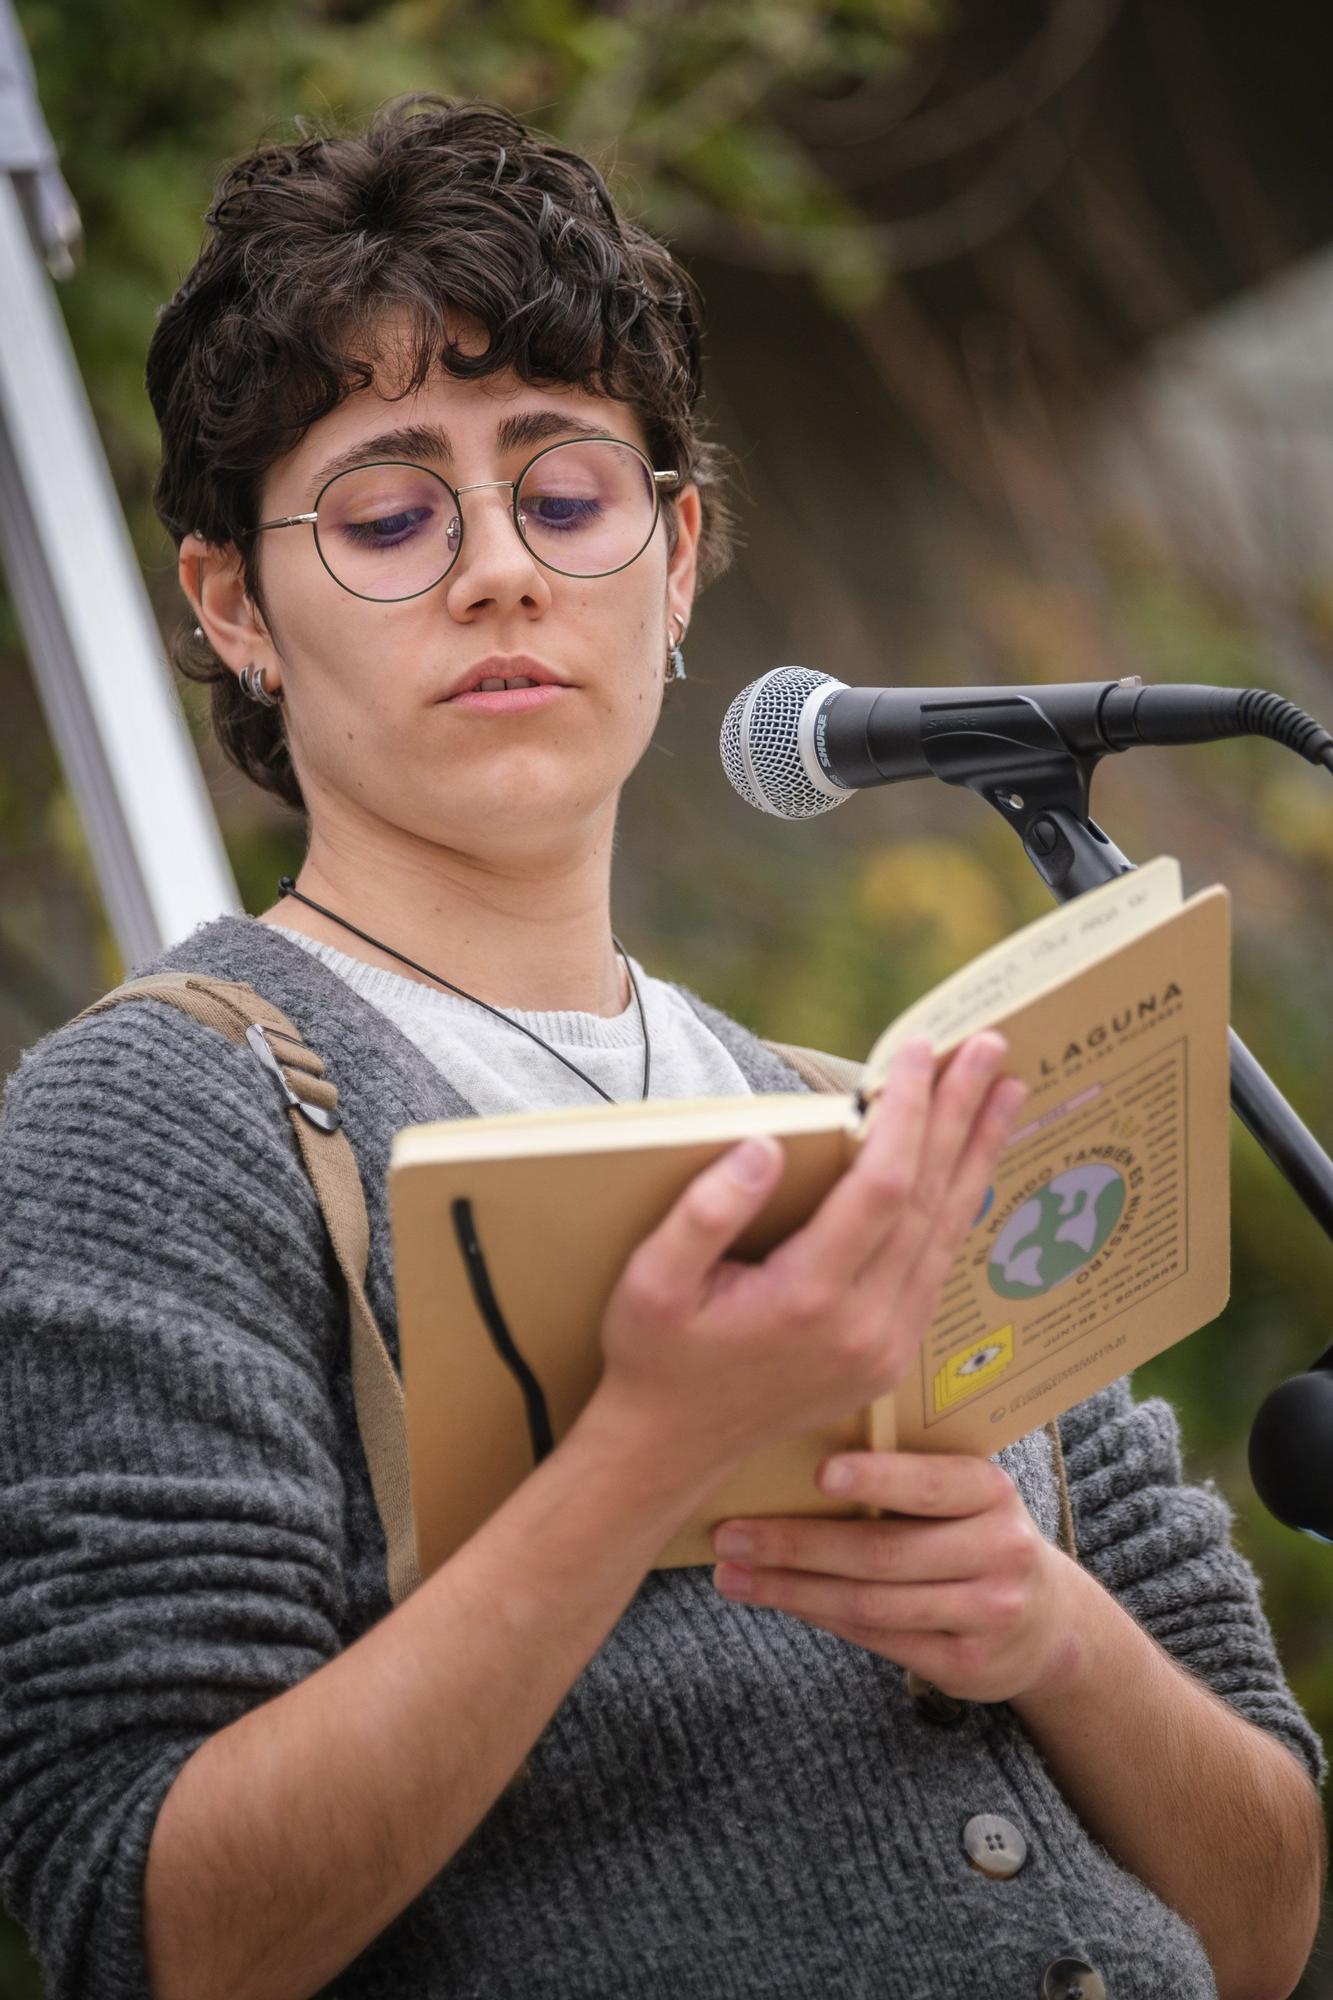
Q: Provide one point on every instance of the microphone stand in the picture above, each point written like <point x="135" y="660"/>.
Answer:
<point x="1020" y="765"/>
<point x="1025" y="771"/>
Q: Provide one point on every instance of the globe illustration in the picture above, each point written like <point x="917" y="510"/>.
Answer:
<point x="1056" y="1231"/>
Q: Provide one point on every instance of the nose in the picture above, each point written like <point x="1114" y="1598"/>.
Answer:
<point x="494" y="568"/>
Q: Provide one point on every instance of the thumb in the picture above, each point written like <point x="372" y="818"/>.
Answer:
<point x="669" y="1269"/>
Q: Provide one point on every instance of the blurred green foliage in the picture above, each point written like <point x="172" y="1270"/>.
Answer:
<point x="682" y="102"/>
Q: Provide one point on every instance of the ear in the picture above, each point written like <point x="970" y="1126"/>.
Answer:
<point x="683" y="561"/>
<point x="212" y="577"/>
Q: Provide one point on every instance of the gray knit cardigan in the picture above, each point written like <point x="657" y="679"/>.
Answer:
<point x="729" y="1805"/>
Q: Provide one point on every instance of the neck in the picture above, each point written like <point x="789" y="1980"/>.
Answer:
<point x="534" y="935"/>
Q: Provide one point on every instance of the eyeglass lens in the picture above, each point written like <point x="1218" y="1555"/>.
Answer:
<point x="391" y="531"/>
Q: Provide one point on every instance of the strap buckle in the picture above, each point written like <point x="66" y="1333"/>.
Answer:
<point x="314" y="1114"/>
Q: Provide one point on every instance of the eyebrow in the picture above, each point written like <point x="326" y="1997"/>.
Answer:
<point x="427" y="441"/>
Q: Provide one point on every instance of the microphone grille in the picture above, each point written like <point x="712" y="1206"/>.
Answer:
<point x="760" y="745"/>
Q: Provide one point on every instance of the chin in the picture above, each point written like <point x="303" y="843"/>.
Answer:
<point x="517" y="810"/>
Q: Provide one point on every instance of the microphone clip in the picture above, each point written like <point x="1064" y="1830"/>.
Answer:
<point x="1011" y="755"/>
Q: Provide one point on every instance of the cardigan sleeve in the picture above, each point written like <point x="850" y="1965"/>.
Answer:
<point x="1164" y="1549"/>
<point x="171" y="1502"/>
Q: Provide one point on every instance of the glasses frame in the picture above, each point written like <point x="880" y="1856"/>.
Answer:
<point x="659" y="479"/>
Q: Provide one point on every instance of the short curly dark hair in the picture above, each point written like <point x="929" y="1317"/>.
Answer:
<point x="438" y="206"/>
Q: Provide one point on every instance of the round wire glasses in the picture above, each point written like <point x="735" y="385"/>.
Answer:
<point x="392" y="530"/>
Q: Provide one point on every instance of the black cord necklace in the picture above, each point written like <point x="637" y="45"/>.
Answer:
<point x="287" y="887"/>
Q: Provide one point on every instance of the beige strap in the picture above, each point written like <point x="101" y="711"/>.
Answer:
<point x="233" y="1007"/>
<point x="820" y="1071"/>
<point x="825" y="1072"/>
<point x="1068" y="1538"/>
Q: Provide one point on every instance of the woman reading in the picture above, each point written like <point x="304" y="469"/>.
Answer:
<point x="432" y="460"/>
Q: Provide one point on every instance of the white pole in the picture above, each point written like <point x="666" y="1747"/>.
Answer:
<point x="95" y="648"/>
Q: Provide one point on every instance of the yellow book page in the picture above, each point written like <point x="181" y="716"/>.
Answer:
<point x="1034" y="961"/>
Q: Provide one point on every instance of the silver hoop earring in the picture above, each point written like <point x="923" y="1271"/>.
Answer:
<point x="253" y="683"/>
<point x="675" y="658"/>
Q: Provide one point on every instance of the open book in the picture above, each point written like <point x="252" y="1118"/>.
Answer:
<point x="1103" y="1239"/>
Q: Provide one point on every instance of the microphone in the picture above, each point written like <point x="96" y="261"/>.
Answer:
<point x="796" y="743"/>
<point x="1290" y="1441"/>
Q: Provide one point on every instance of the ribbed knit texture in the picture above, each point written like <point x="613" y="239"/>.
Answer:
<point x="730" y="1805"/>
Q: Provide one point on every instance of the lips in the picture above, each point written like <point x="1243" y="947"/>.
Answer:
<point x="510" y="701"/>
<point x="503" y="671"/>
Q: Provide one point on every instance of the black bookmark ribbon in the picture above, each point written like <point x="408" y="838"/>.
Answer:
<point x="483" y="1292"/>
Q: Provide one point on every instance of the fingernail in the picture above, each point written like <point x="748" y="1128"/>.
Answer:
<point x="733" y="1581"/>
<point x="836" y="1476"/>
<point x="733" y="1542"/>
<point x="750" y="1162"/>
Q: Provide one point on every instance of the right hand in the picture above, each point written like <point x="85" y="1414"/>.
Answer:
<point x="725" y="1356"/>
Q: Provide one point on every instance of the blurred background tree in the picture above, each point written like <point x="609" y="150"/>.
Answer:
<point x="1015" y="322"/>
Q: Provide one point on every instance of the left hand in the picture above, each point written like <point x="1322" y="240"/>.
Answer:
<point x="959" y="1585"/>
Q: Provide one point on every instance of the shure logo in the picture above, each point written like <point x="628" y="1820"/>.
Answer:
<point x="951" y="721"/>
